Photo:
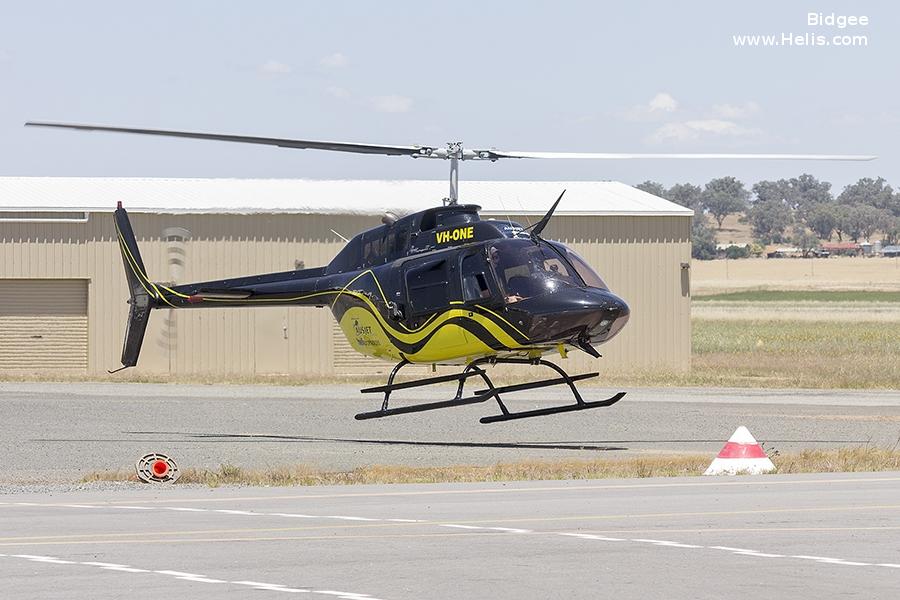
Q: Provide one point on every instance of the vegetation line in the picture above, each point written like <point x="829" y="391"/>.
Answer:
<point x="850" y="459"/>
<point x="800" y="296"/>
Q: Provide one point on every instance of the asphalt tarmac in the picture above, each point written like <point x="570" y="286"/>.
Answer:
<point x="814" y="536"/>
<point x="55" y="433"/>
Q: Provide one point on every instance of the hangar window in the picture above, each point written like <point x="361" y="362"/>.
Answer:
<point x="43" y="217"/>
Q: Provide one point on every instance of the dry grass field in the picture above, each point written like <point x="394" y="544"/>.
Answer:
<point x="838" y="273"/>
<point x="733" y="231"/>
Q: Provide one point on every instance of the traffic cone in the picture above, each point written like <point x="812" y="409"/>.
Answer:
<point x="741" y="454"/>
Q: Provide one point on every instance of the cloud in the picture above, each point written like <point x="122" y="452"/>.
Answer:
<point x="392" y="104"/>
<point x="660" y="104"/>
<point x="685" y="131"/>
<point x="736" y="111"/>
<point x="274" y="67"/>
<point x="337" y="92"/>
<point x="334" y="61"/>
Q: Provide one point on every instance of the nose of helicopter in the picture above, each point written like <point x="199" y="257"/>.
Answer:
<point x="579" y="312"/>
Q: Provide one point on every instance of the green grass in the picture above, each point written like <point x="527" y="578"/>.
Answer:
<point x="816" y="354"/>
<point x="801" y="296"/>
<point x="797" y="338"/>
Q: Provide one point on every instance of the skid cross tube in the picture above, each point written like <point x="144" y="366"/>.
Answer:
<point x="473" y="369"/>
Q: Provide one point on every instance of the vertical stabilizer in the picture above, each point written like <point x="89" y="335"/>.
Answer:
<point x="142" y="291"/>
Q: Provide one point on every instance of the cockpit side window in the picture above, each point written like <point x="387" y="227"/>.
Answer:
<point x="474" y="273"/>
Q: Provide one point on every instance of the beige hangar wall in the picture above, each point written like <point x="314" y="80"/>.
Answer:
<point x="640" y="257"/>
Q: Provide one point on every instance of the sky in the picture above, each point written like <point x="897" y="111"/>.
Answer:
<point x="571" y="76"/>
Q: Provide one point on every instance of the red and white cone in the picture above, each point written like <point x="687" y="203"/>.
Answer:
<point x="742" y="454"/>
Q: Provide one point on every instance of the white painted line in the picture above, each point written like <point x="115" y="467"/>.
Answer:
<point x="115" y="567"/>
<point x="293" y="515"/>
<point x="191" y="577"/>
<point x="455" y="526"/>
<point x="349" y="518"/>
<point x="126" y="569"/>
<point x="510" y="529"/>
<point x="44" y="559"/>
<point x="137" y="507"/>
<point x="746" y="552"/>
<point x="404" y="520"/>
<point x="832" y="561"/>
<point x="262" y="586"/>
<point x="237" y="512"/>
<point x="666" y="543"/>
<point x="80" y="506"/>
<point x="590" y="536"/>
<point x="183" y="509"/>
<point x="890" y="565"/>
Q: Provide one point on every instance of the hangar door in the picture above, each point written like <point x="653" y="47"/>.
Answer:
<point x="43" y="324"/>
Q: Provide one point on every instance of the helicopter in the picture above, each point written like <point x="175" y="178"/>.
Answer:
<point x="440" y="286"/>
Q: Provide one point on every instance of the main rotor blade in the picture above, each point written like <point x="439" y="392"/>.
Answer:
<point x="629" y="156"/>
<point x="246" y="139"/>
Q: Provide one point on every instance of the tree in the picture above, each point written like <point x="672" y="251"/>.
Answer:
<point x="842" y="223"/>
<point x="861" y="221"/>
<point x="805" y="240"/>
<point x="734" y="252"/>
<point x="807" y="193"/>
<point x="890" y="227"/>
<point x="769" y="219"/>
<point x="822" y="219"/>
<point x="685" y="194"/>
<point x="772" y="191"/>
<point x="652" y="187"/>
<point x="724" y="196"/>
<point x="703" y="240"/>
<point x="872" y="192"/>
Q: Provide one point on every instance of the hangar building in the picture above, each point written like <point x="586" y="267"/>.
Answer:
<point x="63" y="291"/>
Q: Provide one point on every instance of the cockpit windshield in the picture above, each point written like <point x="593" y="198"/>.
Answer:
<point x="526" y="269"/>
<point x="588" y="275"/>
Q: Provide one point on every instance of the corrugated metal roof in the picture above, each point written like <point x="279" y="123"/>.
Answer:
<point x="364" y="197"/>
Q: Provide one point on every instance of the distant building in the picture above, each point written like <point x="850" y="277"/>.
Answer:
<point x="843" y="248"/>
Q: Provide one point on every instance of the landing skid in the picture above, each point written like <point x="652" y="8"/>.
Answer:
<point x="473" y="369"/>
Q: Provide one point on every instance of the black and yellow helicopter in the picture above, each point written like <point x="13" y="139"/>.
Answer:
<point x="440" y="286"/>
